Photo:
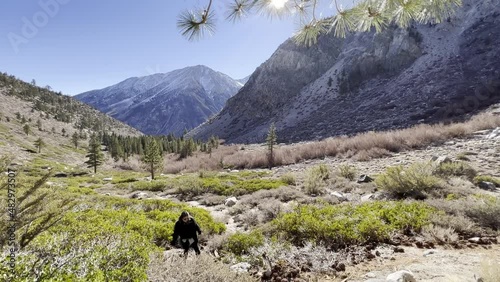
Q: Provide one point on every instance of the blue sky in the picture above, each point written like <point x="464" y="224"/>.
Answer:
<point x="80" y="45"/>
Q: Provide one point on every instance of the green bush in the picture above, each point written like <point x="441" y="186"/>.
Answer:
<point x="224" y="184"/>
<point x="288" y="178"/>
<point x="349" y="224"/>
<point x="411" y="181"/>
<point x="486" y="178"/>
<point x="455" y="169"/>
<point x="348" y="172"/>
<point x="124" y="180"/>
<point x="240" y="243"/>
<point x="154" y="185"/>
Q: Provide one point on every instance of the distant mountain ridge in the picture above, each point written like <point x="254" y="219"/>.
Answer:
<point x="165" y="103"/>
<point x="367" y="81"/>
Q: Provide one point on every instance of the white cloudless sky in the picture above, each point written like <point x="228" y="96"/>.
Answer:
<point x="80" y="45"/>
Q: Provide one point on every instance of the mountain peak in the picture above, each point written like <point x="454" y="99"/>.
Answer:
<point x="166" y="103"/>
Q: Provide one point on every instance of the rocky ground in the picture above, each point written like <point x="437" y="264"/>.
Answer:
<point x="425" y="262"/>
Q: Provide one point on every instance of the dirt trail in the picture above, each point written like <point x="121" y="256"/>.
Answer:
<point x="443" y="265"/>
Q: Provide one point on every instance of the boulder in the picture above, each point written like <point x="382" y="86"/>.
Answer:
<point x="367" y="198"/>
<point x="485" y="185"/>
<point x="139" y="195"/>
<point x="339" y="196"/>
<point x="401" y="276"/>
<point x="61" y="174"/>
<point x="229" y="202"/>
<point x="495" y="134"/>
<point x="364" y="179"/>
<point x="441" y="160"/>
<point x="107" y="179"/>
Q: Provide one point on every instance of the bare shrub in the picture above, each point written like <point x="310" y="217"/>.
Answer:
<point x="270" y="209"/>
<point x="458" y="222"/>
<point x="439" y="234"/>
<point x="411" y="181"/>
<point x="372" y="153"/>
<point x="455" y="169"/>
<point x="342" y="184"/>
<point x="199" y="160"/>
<point x="212" y="200"/>
<point x="283" y="194"/>
<point x="249" y="218"/>
<point x="316" y="255"/>
<point x="314" y="183"/>
<point x="173" y="268"/>
<point x="289" y="178"/>
<point x="484" y="211"/>
<point x="348" y="172"/>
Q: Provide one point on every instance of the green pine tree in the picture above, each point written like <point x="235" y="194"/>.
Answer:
<point x="94" y="155"/>
<point x="27" y="129"/>
<point x="39" y="144"/>
<point x="74" y="139"/>
<point x="152" y="157"/>
<point x="271" y="141"/>
<point x="360" y="16"/>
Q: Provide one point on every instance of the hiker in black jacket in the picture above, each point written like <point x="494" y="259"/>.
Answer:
<point x="187" y="229"/>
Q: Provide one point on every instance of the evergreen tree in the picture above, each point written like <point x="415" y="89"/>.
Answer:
<point x="360" y="16"/>
<point x="74" y="139"/>
<point x="152" y="157"/>
<point x="53" y="130"/>
<point x="27" y="129"/>
<point x="39" y="144"/>
<point x="23" y="119"/>
<point x="94" y="155"/>
<point x="271" y="141"/>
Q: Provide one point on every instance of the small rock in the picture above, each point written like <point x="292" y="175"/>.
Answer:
<point x="401" y="276"/>
<point x="429" y="252"/>
<point x="370" y="275"/>
<point x="107" y="194"/>
<point x="339" y="195"/>
<point x="241" y="267"/>
<point x="377" y="253"/>
<point x="340" y="267"/>
<point x="107" y="179"/>
<point x="441" y="160"/>
<point x="229" y="202"/>
<point x="475" y="240"/>
<point x="235" y="171"/>
<point x="399" y="250"/>
<point x="61" y="174"/>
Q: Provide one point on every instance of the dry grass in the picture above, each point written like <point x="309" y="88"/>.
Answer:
<point x="361" y="147"/>
<point x="194" y="269"/>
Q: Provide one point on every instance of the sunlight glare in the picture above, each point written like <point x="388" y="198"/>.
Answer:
<point x="278" y="4"/>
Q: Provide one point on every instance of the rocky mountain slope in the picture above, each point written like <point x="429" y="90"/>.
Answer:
<point x="165" y="103"/>
<point x="368" y="81"/>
